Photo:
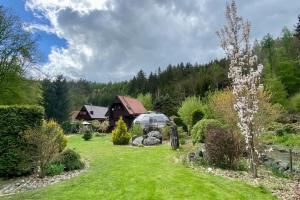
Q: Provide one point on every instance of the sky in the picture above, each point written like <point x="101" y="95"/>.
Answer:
<point x="111" y="40"/>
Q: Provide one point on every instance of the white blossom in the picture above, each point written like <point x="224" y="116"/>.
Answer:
<point x="244" y="72"/>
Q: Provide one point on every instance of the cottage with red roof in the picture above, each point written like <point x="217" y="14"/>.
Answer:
<point x="125" y="107"/>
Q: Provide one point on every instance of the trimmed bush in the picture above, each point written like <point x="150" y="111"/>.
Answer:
<point x="136" y="130"/>
<point x="223" y="148"/>
<point x="54" y="169"/>
<point x="197" y="115"/>
<point x="188" y="106"/>
<point x="120" y="135"/>
<point x="70" y="159"/>
<point x="14" y="120"/>
<point x="199" y="130"/>
<point x="87" y="134"/>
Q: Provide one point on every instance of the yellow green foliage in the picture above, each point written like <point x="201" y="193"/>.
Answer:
<point x="221" y="103"/>
<point x="54" y="131"/>
<point x="120" y="135"/>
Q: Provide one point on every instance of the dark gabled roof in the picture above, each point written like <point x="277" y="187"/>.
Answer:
<point x="133" y="106"/>
<point x="98" y="111"/>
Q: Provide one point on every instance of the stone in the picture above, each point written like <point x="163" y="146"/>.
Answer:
<point x="137" y="141"/>
<point x="174" y="137"/>
<point x="156" y="134"/>
<point x="134" y="137"/>
<point x="192" y="157"/>
<point x="149" y="141"/>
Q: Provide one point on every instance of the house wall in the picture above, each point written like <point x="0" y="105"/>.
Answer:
<point x="83" y="115"/>
<point x="118" y="110"/>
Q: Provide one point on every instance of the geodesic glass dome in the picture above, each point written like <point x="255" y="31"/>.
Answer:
<point x="152" y="120"/>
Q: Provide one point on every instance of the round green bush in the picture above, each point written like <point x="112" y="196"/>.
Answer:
<point x="70" y="159"/>
<point x="199" y="130"/>
<point x="54" y="169"/>
<point x="87" y="135"/>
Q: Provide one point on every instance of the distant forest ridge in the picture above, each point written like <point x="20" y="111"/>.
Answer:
<point x="176" y="81"/>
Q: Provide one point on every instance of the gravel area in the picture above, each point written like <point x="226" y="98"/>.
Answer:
<point x="32" y="182"/>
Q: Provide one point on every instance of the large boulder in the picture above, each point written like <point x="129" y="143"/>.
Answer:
<point x="149" y="141"/>
<point x="155" y="134"/>
<point x="138" y="141"/>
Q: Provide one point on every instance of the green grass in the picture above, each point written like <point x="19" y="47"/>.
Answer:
<point x="124" y="172"/>
<point x="285" y="140"/>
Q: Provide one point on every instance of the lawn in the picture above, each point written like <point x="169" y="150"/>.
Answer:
<point x="124" y="172"/>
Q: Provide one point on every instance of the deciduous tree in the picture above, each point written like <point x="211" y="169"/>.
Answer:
<point x="245" y="75"/>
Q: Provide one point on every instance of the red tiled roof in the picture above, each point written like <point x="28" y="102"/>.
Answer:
<point x="133" y="106"/>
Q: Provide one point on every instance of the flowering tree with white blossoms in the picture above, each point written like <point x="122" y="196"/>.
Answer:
<point x="245" y="74"/>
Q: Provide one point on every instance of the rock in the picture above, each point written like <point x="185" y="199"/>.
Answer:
<point x="192" y="156"/>
<point x="174" y="137"/>
<point x="156" y="134"/>
<point x="134" y="137"/>
<point x="199" y="153"/>
<point x="138" y="141"/>
<point x="149" y="141"/>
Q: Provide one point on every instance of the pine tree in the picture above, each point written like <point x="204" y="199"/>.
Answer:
<point x="56" y="99"/>
<point x="297" y="30"/>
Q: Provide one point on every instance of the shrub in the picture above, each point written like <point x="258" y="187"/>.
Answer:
<point x="96" y="125"/>
<point x="287" y="129"/>
<point x="14" y="120"/>
<point x="54" y="169"/>
<point x="71" y="127"/>
<point x="179" y="122"/>
<point x="136" y="130"/>
<point x="182" y="135"/>
<point x="221" y="106"/>
<point x="188" y="106"/>
<point x="197" y="115"/>
<point x="120" y="135"/>
<point x="87" y="134"/>
<point x="294" y="103"/>
<point x="70" y="159"/>
<point x="200" y="161"/>
<point x="199" y="130"/>
<point x="165" y="132"/>
<point x="222" y="147"/>
<point x="104" y="126"/>
<point x="44" y="143"/>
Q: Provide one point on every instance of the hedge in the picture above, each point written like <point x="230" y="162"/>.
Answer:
<point x="14" y="120"/>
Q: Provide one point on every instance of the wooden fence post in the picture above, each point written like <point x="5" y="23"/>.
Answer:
<point x="291" y="160"/>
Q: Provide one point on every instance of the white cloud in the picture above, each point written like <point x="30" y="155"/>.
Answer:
<point x="112" y="39"/>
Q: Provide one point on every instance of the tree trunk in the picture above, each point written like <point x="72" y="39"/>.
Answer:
<point x="252" y="158"/>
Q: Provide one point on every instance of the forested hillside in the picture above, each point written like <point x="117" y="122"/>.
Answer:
<point x="168" y="87"/>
